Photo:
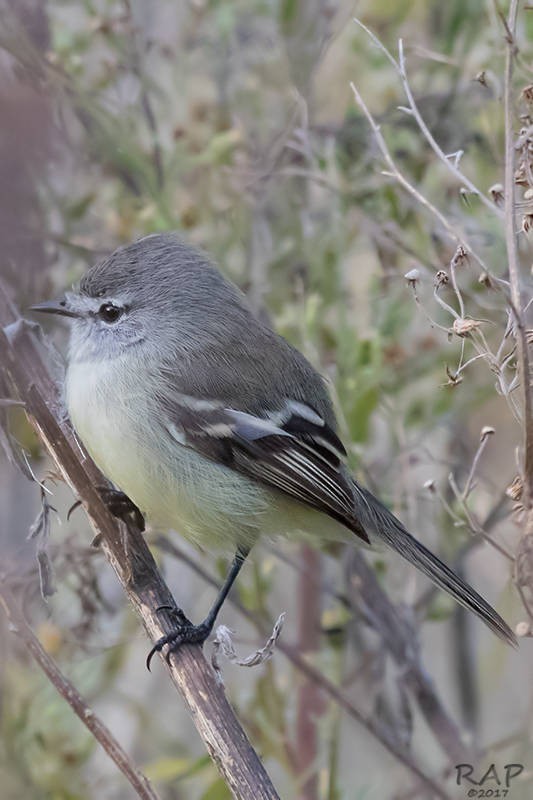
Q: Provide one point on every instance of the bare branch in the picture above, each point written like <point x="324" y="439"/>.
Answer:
<point x="450" y="163"/>
<point x="68" y="691"/>
<point x="524" y="367"/>
<point x="395" y="172"/>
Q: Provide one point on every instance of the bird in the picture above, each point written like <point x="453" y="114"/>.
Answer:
<point x="210" y="423"/>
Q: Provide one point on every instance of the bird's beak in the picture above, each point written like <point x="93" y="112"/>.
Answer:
<point x="59" y="306"/>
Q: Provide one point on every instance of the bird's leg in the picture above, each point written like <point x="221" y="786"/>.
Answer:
<point x="120" y="505"/>
<point x="187" y="633"/>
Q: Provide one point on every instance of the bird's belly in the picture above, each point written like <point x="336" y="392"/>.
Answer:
<point x="208" y="503"/>
<point x="173" y="485"/>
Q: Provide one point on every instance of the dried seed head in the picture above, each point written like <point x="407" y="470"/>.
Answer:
<point x="430" y="486"/>
<point x="524" y="148"/>
<point x="515" y="489"/>
<point x="460" y="256"/>
<point x="496" y="192"/>
<point x="527" y="223"/>
<point x="486" y="280"/>
<point x="486" y="431"/>
<point x="453" y="378"/>
<point x="520" y="176"/>
<point x="481" y="78"/>
<point x="441" y="279"/>
<point x="523" y="629"/>
<point x="527" y="94"/>
<point x="462" y="326"/>
<point x="412" y="277"/>
<point x="528" y="194"/>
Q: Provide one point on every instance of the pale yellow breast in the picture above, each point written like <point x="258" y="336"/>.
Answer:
<point x="175" y="486"/>
<point x="113" y="412"/>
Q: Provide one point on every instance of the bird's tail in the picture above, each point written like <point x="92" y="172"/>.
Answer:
<point x="380" y="522"/>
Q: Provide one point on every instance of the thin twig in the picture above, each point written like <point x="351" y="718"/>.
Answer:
<point x="394" y="172"/>
<point x="68" y="691"/>
<point x="449" y="163"/>
<point x="484" y="438"/>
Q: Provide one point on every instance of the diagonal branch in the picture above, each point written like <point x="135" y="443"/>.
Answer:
<point x="68" y="691"/>
<point x="24" y="361"/>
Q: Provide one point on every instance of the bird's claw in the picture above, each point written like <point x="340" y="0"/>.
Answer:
<point x="182" y="634"/>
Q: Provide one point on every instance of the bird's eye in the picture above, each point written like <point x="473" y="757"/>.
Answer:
<point x="109" y="312"/>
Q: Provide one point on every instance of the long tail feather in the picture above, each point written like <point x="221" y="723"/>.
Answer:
<point x="378" y="520"/>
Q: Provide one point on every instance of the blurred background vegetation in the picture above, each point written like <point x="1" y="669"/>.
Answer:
<point x="233" y="122"/>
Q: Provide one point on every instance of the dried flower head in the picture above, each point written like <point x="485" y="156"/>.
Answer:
<point x="527" y="93"/>
<point x="515" y="489"/>
<point x="441" y="279"/>
<point x="462" y="326"/>
<point x="486" y="431"/>
<point x="460" y="256"/>
<point x="412" y="277"/>
<point x="527" y="223"/>
<point x="486" y="280"/>
<point x="524" y="148"/>
<point x="496" y="192"/>
<point x="454" y="379"/>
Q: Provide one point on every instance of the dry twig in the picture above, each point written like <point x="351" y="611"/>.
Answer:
<point x="68" y="691"/>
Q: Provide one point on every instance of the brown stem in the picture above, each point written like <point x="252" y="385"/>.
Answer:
<point x="23" y="358"/>
<point x="68" y="691"/>
<point x="515" y="278"/>
<point x="310" y="704"/>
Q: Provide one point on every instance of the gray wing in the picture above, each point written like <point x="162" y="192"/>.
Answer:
<point x="292" y="450"/>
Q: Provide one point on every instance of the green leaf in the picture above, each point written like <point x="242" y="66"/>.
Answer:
<point x="217" y="791"/>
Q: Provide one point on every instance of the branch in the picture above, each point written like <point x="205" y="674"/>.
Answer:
<point x="68" y="691"/>
<point x="524" y="367"/>
<point x="401" y="70"/>
<point x="394" y="172"/>
<point x="23" y="358"/>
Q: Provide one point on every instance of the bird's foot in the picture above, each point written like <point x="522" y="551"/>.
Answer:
<point x="120" y="505"/>
<point x="183" y="633"/>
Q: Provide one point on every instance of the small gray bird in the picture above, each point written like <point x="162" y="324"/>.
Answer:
<point x="212" y="424"/>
